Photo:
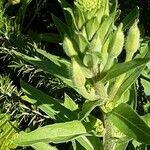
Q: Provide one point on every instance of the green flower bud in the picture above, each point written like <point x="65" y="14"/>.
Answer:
<point x="133" y="39"/>
<point x="117" y="42"/>
<point x="13" y="2"/>
<point x="69" y="47"/>
<point x="88" y="5"/>
<point x="77" y="74"/>
<point x="90" y="60"/>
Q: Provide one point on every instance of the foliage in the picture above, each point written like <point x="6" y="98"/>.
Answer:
<point x="97" y="66"/>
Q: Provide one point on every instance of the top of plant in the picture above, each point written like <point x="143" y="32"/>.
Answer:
<point x="88" y="5"/>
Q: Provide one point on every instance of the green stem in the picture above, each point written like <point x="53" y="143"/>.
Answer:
<point x="108" y="141"/>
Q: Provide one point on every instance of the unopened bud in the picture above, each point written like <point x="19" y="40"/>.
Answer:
<point x="117" y="42"/>
<point x="69" y="47"/>
<point x="77" y="74"/>
<point x="133" y="39"/>
<point x="90" y="60"/>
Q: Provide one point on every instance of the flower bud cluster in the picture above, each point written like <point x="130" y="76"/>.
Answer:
<point x="95" y="41"/>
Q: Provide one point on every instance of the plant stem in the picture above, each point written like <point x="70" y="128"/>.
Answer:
<point x="108" y="141"/>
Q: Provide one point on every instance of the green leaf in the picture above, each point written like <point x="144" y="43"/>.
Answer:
<point x="133" y="97"/>
<point x="144" y="48"/>
<point x="122" y="68"/>
<point x="43" y="146"/>
<point x="128" y="122"/>
<point x="68" y="17"/>
<point x="56" y="133"/>
<point x="146" y="118"/>
<point x="131" y="78"/>
<point x="121" y="145"/>
<point x="88" y="107"/>
<point x="81" y="40"/>
<point x="49" y="105"/>
<point x="130" y="18"/>
<point x="90" y="143"/>
<point x="7" y="132"/>
<point x="85" y="143"/>
<point x="54" y="65"/>
<point x="105" y="26"/>
<point x="91" y="27"/>
<point x="69" y="103"/>
<point x="61" y="26"/>
<point x="145" y="80"/>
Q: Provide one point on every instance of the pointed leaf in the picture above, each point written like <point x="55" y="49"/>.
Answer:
<point x="122" y="68"/>
<point x="49" y="105"/>
<point x="61" y="26"/>
<point x="56" y="133"/>
<point x="130" y="18"/>
<point x="129" y="81"/>
<point x="69" y="103"/>
<point x="55" y="67"/>
<point x="88" y="107"/>
<point x="128" y="122"/>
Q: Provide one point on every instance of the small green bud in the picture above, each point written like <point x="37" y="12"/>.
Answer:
<point x="117" y="42"/>
<point x="13" y="2"/>
<point x="77" y="74"/>
<point x="133" y="39"/>
<point x="90" y="60"/>
<point x="69" y="47"/>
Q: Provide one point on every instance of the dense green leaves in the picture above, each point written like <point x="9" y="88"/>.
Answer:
<point x="54" y="66"/>
<point x="49" y="105"/>
<point x="56" y="133"/>
<point x="128" y="122"/>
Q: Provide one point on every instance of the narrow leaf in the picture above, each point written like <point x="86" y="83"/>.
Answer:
<point x="128" y="122"/>
<point x="54" y="67"/>
<point x="88" y="107"/>
<point x="130" y="18"/>
<point x="56" y="133"/>
<point x="129" y="81"/>
<point x="122" y="68"/>
<point x="69" y="103"/>
<point x="61" y="26"/>
<point x="49" y="105"/>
